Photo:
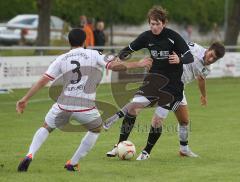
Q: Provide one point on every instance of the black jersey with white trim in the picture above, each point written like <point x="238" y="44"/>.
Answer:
<point x="160" y="47"/>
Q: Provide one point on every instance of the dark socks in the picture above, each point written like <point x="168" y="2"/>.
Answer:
<point x="184" y="143"/>
<point x="153" y="137"/>
<point x="120" y="114"/>
<point x="127" y="126"/>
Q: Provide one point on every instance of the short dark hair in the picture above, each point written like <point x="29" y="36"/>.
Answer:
<point x="157" y="13"/>
<point x="218" y="48"/>
<point x="76" y="37"/>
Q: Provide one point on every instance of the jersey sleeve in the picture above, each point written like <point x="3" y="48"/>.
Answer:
<point x="139" y="42"/>
<point x="54" y="70"/>
<point x="181" y="46"/>
<point x="182" y="49"/>
<point x="104" y="60"/>
<point x="196" y="50"/>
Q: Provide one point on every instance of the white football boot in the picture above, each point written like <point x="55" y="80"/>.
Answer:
<point x="185" y="151"/>
<point x="113" y="152"/>
<point x="143" y="156"/>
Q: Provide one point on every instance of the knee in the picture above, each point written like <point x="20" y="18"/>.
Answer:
<point x="45" y="125"/>
<point x="157" y="121"/>
<point x="183" y="122"/>
<point x="133" y="109"/>
<point x="135" y="106"/>
<point x="96" y="130"/>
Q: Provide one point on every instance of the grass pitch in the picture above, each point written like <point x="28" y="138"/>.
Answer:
<point x="215" y="133"/>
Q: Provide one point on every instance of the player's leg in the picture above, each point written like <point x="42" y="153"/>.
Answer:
<point x="182" y="116"/>
<point x="41" y="135"/>
<point x="155" y="132"/>
<point x="87" y="143"/>
<point x="131" y="111"/>
<point x="138" y="103"/>
<point x="38" y="139"/>
<point x="151" y="96"/>
<point x="121" y="113"/>
<point x="90" y="138"/>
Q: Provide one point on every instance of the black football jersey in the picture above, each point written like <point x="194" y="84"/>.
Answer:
<point x="160" y="47"/>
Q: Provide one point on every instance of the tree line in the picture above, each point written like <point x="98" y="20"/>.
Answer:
<point x="201" y="13"/>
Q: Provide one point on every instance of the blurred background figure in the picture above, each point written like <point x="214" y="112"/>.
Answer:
<point x="88" y="30"/>
<point x="187" y="33"/>
<point x="99" y="35"/>
<point x="23" y="33"/>
<point x="91" y="23"/>
<point x="216" y="36"/>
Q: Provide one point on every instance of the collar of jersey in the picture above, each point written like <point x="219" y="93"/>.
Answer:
<point x="75" y="49"/>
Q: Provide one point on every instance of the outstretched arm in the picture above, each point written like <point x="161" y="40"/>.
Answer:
<point x="137" y="44"/>
<point x="117" y="65"/>
<point x="22" y="103"/>
<point x="202" y="88"/>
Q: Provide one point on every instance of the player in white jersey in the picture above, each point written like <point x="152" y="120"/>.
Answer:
<point x="198" y="70"/>
<point x="79" y="70"/>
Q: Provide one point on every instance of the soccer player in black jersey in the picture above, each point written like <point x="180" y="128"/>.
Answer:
<point x="169" y="52"/>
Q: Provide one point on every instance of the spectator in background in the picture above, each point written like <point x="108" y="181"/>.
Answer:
<point x="88" y="30"/>
<point x="99" y="35"/>
<point x="90" y="23"/>
<point x="187" y="33"/>
<point x="23" y="34"/>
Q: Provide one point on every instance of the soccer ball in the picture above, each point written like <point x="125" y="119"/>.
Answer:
<point x="126" y="150"/>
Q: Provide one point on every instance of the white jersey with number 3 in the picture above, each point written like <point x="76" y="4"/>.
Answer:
<point x="80" y="69"/>
<point x="197" y="68"/>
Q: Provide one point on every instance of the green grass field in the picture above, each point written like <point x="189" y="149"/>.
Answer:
<point x="215" y="134"/>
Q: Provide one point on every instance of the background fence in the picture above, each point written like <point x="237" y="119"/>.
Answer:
<point x="23" y="71"/>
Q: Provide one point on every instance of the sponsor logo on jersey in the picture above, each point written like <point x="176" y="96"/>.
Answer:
<point x="154" y="53"/>
<point x="160" y="54"/>
<point x="205" y="71"/>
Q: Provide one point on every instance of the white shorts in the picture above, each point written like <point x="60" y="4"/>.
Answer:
<point x="56" y="118"/>
<point x="140" y="99"/>
<point x="163" y="113"/>
<point x="184" y="100"/>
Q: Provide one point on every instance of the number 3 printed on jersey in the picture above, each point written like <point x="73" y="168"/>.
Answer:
<point x="76" y="70"/>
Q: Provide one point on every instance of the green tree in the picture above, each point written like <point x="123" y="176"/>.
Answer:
<point x="11" y="8"/>
<point x="233" y="26"/>
<point x="44" y="14"/>
<point x="203" y="13"/>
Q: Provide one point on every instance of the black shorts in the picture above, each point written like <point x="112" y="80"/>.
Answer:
<point x="159" y="90"/>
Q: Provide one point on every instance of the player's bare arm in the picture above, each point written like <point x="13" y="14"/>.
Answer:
<point x="202" y="88"/>
<point x="118" y="65"/>
<point x="22" y="103"/>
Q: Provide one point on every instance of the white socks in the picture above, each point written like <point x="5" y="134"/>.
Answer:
<point x="183" y="133"/>
<point x="38" y="139"/>
<point x="184" y="148"/>
<point x="86" y="145"/>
